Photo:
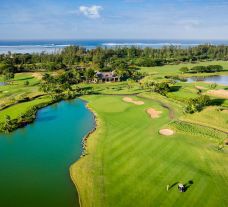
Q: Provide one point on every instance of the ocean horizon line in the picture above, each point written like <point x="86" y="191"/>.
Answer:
<point x="51" y="46"/>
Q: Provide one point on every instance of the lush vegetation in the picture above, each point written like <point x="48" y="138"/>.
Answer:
<point x="202" y="69"/>
<point x="21" y="114"/>
<point x="213" y="116"/>
<point x="109" y="59"/>
<point x="11" y="124"/>
<point x="197" y="104"/>
<point x="174" y="69"/>
<point x="66" y="84"/>
<point x="161" y="87"/>
<point x="129" y="164"/>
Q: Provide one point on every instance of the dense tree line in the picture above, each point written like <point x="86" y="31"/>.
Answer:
<point x="109" y="59"/>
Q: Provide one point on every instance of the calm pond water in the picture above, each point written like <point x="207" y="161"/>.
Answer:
<point x="2" y="83"/>
<point x="35" y="160"/>
<point x="220" y="79"/>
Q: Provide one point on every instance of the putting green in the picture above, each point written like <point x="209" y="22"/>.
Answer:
<point x="130" y="164"/>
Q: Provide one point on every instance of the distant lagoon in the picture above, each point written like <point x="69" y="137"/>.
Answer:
<point x="51" y="46"/>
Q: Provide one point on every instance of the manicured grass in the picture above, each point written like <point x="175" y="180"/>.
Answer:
<point x="130" y="164"/>
<point x="114" y="88"/>
<point x="20" y="78"/>
<point x="16" y="110"/>
<point x="174" y="69"/>
<point x="210" y="116"/>
<point x="183" y="92"/>
<point x="11" y="92"/>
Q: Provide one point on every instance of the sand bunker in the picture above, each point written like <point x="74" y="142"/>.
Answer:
<point x="225" y="111"/>
<point x="219" y="93"/>
<point x="200" y="87"/>
<point x="37" y="75"/>
<point x="130" y="100"/>
<point x="166" y="132"/>
<point x="153" y="113"/>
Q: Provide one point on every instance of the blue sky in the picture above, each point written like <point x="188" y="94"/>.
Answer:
<point x="119" y="19"/>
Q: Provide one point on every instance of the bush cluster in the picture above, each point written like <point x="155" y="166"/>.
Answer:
<point x="197" y="104"/>
<point x="202" y="69"/>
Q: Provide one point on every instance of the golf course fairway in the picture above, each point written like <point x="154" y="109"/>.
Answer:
<point x="128" y="163"/>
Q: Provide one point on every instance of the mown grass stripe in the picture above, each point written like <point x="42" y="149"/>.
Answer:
<point x="130" y="164"/>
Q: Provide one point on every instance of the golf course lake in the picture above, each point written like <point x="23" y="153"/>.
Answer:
<point x="2" y="83"/>
<point x="219" y="79"/>
<point x="35" y="160"/>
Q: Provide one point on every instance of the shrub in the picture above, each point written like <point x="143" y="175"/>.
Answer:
<point x="8" y="125"/>
<point x="26" y="83"/>
<point x="202" y="69"/>
<point x="197" y="104"/>
<point x="198" y="69"/>
<point x="184" y="69"/>
<point x="213" y="86"/>
<point x="214" y="68"/>
<point x="159" y="87"/>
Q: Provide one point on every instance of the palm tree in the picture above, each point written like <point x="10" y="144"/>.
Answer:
<point x="8" y="125"/>
<point x="89" y="74"/>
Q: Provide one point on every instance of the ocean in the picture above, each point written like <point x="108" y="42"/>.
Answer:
<point x="51" y="46"/>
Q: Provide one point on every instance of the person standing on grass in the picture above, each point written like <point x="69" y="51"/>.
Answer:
<point x="167" y="187"/>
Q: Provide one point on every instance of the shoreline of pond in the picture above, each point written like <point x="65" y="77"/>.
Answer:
<point x="81" y="140"/>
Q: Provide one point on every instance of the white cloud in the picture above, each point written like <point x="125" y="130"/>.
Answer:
<point x="189" y="24"/>
<point x="92" y="12"/>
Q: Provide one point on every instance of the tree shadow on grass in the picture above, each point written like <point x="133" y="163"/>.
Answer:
<point x="22" y="79"/>
<point x="175" y="88"/>
<point x="217" y="102"/>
